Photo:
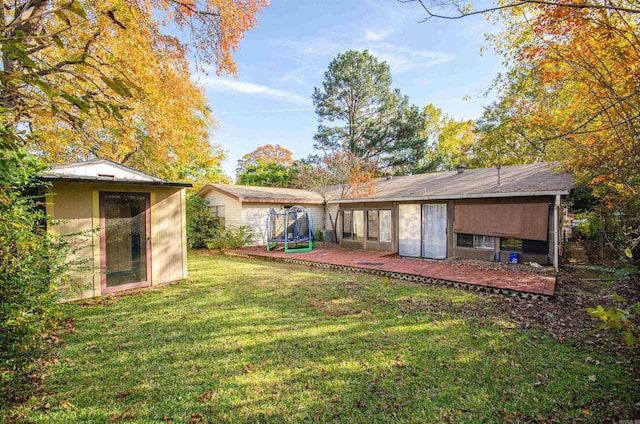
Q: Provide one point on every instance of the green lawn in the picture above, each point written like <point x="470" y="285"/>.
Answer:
<point x="246" y="341"/>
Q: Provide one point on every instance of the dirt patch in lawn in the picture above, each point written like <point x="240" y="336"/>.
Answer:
<point x="564" y="316"/>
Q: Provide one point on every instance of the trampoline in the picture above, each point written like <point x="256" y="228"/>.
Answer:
<point x="293" y="227"/>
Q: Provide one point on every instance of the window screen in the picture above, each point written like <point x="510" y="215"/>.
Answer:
<point x="373" y="228"/>
<point x="346" y="225"/>
<point x="464" y="240"/>
<point x="358" y="225"/>
<point x="385" y="226"/>
<point x="484" y="242"/>
<point x="528" y="221"/>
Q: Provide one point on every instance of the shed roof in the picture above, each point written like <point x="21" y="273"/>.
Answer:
<point x="104" y="171"/>
<point x="536" y="179"/>
<point x="255" y="194"/>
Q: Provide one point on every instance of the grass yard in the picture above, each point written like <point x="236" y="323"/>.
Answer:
<point x="259" y="342"/>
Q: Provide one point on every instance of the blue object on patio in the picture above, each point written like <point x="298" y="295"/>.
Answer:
<point x="294" y="226"/>
<point x="513" y="258"/>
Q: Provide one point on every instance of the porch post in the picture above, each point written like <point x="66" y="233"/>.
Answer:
<point x="556" y="241"/>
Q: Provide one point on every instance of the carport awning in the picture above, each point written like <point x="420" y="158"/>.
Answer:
<point x="528" y="221"/>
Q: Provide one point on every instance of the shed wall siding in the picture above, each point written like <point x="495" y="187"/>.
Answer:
<point x="76" y="206"/>
<point x="168" y="239"/>
<point x="72" y="206"/>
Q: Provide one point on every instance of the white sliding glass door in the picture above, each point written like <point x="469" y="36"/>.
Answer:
<point x="409" y="230"/>
<point x="434" y="231"/>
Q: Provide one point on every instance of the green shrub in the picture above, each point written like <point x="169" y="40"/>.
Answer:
<point x="200" y="223"/>
<point x="222" y="238"/>
<point x="625" y="319"/>
<point x="32" y="266"/>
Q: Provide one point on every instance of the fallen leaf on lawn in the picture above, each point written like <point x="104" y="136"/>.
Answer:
<point x="592" y="378"/>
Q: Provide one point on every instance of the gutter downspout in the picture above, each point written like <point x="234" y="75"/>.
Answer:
<point x="556" y="242"/>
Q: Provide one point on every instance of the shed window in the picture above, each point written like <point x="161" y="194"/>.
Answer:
<point x="529" y="221"/>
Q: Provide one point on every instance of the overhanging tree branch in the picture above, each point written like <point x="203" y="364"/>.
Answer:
<point x="461" y="12"/>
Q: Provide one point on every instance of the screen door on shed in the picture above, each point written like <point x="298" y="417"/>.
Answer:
<point x="434" y="231"/>
<point x="125" y="241"/>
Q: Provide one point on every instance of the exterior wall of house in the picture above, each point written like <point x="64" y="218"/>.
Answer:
<point x="503" y="255"/>
<point x="484" y="252"/>
<point x="254" y="215"/>
<point x="226" y="207"/>
<point x="332" y="213"/>
<point x="76" y="207"/>
<point x="364" y="240"/>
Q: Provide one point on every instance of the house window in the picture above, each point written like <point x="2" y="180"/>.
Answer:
<point x="475" y="241"/>
<point x="358" y="225"/>
<point x="511" y="244"/>
<point x="535" y="246"/>
<point x="484" y="242"/>
<point x="524" y="246"/>
<point x="217" y="212"/>
<point x="465" y="240"/>
<point x="373" y="226"/>
<point x="346" y="225"/>
<point x="385" y="226"/>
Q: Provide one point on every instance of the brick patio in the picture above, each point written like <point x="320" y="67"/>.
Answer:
<point x="418" y="270"/>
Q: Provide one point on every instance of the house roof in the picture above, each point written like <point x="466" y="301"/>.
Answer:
<point x="104" y="171"/>
<point x="536" y="179"/>
<point x="265" y="194"/>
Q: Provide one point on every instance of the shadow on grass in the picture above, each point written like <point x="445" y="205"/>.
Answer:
<point x="262" y="342"/>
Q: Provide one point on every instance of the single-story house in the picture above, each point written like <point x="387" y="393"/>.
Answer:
<point x="249" y="206"/>
<point x="493" y="214"/>
<point x="130" y="226"/>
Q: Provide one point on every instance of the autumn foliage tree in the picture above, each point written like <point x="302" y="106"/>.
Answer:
<point x="84" y="79"/>
<point x="337" y="175"/>
<point x="584" y="104"/>
<point x="268" y="165"/>
<point x="570" y="93"/>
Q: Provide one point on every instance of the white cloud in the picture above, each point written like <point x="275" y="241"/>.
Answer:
<point x="229" y="85"/>
<point x="377" y="35"/>
<point x="403" y="59"/>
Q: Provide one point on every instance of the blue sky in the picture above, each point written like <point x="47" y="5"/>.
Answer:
<point x="285" y="57"/>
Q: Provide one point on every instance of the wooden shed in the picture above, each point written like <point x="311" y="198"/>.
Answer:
<point x="129" y="226"/>
<point x="249" y="206"/>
